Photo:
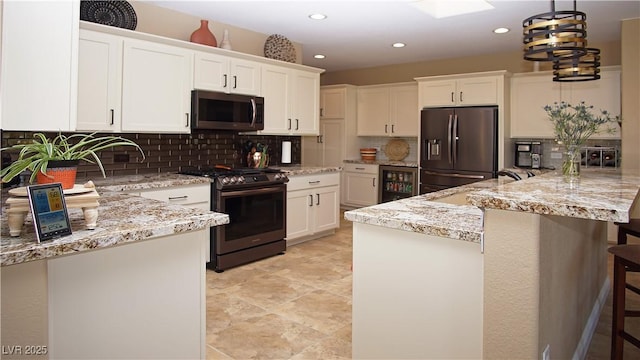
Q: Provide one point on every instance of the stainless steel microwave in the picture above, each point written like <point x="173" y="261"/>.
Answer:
<point x="212" y="110"/>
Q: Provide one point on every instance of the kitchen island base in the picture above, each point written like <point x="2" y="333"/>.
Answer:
<point x="140" y="300"/>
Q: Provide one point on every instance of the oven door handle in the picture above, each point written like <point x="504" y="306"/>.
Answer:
<point x="266" y="190"/>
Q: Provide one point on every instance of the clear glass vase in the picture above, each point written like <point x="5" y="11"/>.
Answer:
<point x="571" y="162"/>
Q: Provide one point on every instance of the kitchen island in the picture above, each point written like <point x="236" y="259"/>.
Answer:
<point x="504" y="271"/>
<point x="133" y="287"/>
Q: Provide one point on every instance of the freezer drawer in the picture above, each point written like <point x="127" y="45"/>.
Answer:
<point x="431" y="181"/>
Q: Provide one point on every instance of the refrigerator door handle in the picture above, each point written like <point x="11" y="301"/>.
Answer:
<point x="454" y="135"/>
<point x="449" y="142"/>
<point x="465" y="176"/>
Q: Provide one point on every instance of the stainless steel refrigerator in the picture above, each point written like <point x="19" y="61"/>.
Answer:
<point x="458" y="146"/>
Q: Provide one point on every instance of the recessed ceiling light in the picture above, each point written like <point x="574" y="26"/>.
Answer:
<point x="501" y="30"/>
<point x="318" y="56"/>
<point x="399" y="45"/>
<point x="318" y="16"/>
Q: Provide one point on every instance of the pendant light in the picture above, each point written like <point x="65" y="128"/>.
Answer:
<point x="583" y="68"/>
<point x="555" y="35"/>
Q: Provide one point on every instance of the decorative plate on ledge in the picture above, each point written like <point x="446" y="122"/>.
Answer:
<point x="396" y="149"/>
<point x="118" y="13"/>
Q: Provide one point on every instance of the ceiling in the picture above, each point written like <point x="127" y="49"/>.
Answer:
<point x="359" y="33"/>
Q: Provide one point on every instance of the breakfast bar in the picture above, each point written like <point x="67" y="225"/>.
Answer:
<point x="496" y="269"/>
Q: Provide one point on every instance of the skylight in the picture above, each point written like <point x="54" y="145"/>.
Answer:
<point x="446" y="8"/>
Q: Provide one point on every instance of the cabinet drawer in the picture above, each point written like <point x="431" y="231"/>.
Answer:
<point x="313" y="181"/>
<point x="361" y="168"/>
<point x="194" y="196"/>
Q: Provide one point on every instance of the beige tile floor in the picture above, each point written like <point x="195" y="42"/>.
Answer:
<point x="298" y="306"/>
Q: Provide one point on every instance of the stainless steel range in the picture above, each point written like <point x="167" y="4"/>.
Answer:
<point x="256" y="202"/>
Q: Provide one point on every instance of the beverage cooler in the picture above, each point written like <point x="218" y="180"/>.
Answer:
<point x="397" y="182"/>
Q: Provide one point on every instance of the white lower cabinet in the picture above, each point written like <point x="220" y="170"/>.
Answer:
<point x="313" y="206"/>
<point x="360" y="185"/>
<point x="196" y="196"/>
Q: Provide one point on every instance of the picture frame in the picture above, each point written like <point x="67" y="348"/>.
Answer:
<point x="49" y="211"/>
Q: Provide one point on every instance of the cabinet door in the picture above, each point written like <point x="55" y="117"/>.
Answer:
<point x="305" y="103"/>
<point x="156" y="87"/>
<point x="311" y="150"/>
<point x="529" y="95"/>
<point x="276" y="89"/>
<point x="245" y="77"/>
<point x="331" y="142"/>
<point x="437" y="93"/>
<point x="361" y="189"/>
<point x="210" y="72"/>
<point x="99" y="81"/>
<point x="299" y="208"/>
<point x="332" y="103"/>
<point x="603" y="94"/>
<point x="373" y="111"/>
<point x="327" y="208"/>
<point x="477" y="91"/>
<point x="404" y="111"/>
<point x="38" y="86"/>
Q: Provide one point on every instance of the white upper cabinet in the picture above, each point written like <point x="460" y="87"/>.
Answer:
<point x="388" y="110"/>
<point x="156" y="87"/>
<point x="459" y="92"/>
<point x="221" y="73"/>
<point x="332" y="103"/>
<point x="530" y="92"/>
<point x="38" y="85"/>
<point x="99" y="82"/>
<point x="291" y="100"/>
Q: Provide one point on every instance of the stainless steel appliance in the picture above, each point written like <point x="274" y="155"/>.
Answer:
<point x="397" y="182"/>
<point x="212" y="110"/>
<point x="528" y="154"/>
<point x="256" y="202"/>
<point x="458" y="146"/>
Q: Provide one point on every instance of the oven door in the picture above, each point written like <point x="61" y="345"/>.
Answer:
<point x="257" y="216"/>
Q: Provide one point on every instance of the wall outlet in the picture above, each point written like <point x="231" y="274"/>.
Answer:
<point x="546" y="353"/>
<point x="556" y="155"/>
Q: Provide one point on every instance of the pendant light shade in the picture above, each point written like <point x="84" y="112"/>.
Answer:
<point x="582" y="68"/>
<point x="555" y="35"/>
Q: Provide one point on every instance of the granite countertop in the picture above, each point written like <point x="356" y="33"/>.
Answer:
<point x="384" y="162"/>
<point x="308" y="170"/>
<point x="605" y="196"/>
<point x="424" y="214"/>
<point x="597" y="195"/>
<point x="122" y="218"/>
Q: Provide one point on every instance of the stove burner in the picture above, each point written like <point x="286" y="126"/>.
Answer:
<point x="225" y="178"/>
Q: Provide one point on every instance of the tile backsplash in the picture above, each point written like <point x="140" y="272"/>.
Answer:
<point x="171" y="152"/>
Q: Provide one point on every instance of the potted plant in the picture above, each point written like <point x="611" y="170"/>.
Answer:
<point x="47" y="158"/>
<point x="573" y="125"/>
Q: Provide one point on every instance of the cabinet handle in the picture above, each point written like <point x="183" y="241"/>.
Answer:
<point x="452" y="99"/>
<point x="187" y="115"/>
<point x="321" y="139"/>
<point x="385" y="128"/>
<point x="235" y="82"/>
<point x="289" y="128"/>
<point x="318" y="139"/>
<point x="460" y="96"/>
<point x="185" y="197"/>
<point x="314" y="182"/>
<point x="321" y="112"/>
<point x="392" y="129"/>
<point x="112" y="116"/>
<point x="225" y="81"/>
<point x="358" y="168"/>
<point x="374" y="182"/>
<point x="318" y="199"/>
<point x="310" y="200"/>
<point x="297" y="124"/>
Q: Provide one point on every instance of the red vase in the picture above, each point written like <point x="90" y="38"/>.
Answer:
<point x="203" y="35"/>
